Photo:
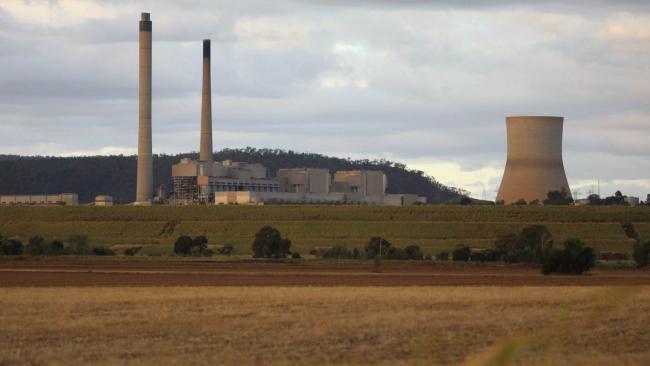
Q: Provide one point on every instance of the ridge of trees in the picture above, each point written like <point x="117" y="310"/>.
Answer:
<point x="115" y="175"/>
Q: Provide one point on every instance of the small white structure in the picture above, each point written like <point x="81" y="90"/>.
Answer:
<point x="632" y="201"/>
<point x="103" y="200"/>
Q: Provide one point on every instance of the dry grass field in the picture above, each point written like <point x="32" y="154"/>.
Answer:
<point x="333" y="325"/>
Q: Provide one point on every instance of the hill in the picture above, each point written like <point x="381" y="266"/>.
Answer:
<point x="89" y="176"/>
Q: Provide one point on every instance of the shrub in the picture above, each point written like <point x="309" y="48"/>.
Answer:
<point x="531" y="245"/>
<point x="630" y="231"/>
<point x="376" y="246"/>
<point x="461" y="253"/>
<point x="78" y="245"/>
<point x="520" y="202"/>
<point x="35" y="246"/>
<point x="641" y="253"/>
<point x="55" y="247"/>
<point x="227" y="249"/>
<point x="395" y="253"/>
<point x="442" y="256"/>
<point x="295" y="255"/>
<point x="575" y="258"/>
<point x="101" y="250"/>
<point x="130" y="252"/>
<point x="485" y="255"/>
<point x="11" y="247"/>
<point x="413" y="252"/>
<point x="200" y="242"/>
<point x="338" y="252"/>
<point x="183" y="245"/>
<point x="269" y="243"/>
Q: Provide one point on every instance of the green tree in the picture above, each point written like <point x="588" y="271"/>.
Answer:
<point x="561" y="198"/>
<point x="641" y="253"/>
<point x="35" y="246"/>
<point x="269" y="243"/>
<point x="575" y="258"/>
<point x="376" y="246"/>
<point x="78" y="245"/>
<point x="11" y="247"/>
<point x="183" y="245"/>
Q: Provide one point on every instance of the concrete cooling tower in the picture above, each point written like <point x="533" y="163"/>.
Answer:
<point x="534" y="166"/>
<point x="144" y="189"/>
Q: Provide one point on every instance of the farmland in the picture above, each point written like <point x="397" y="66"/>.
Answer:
<point x="332" y="325"/>
<point x="434" y="228"/>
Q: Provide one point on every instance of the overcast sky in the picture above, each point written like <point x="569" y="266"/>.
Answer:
<point x="427" y="83"/>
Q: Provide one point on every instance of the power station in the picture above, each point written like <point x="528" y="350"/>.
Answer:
<point x="534" y="166"/>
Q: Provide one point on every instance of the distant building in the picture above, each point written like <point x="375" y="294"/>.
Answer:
<point x="304" y="180"/>
<point x="63" y="199"/>
<point x="103" y="200"/>
<point x="632" y="201"/>
<point x="191" y="184"/>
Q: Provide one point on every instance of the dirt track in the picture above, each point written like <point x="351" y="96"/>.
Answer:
<point x="115" y="272"/>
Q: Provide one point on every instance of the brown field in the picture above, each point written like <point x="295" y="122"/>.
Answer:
<point x="112" y="272"/>
<point x="325" y="325"/>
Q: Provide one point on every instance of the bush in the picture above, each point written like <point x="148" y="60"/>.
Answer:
<point x="78" y="245"/>
<point x="130" y="252"/>
<point x="35" y="246"/>
<point x="376" y="246"/>
<point x="269" y="243"/>
<point x="55" y="247"/>
<point x="461" y="253"/>
<point x="183" y="245"/>
<point x="531" y="245"/>
<point x="575" y="258"/>
<point x="485" y="255"/>
<point x="338" y="252"/>
<point x="630" y="231"/>
<point x="413" y="252"/>
<point x="641" y="253"/>
<point x="227" y="249"/>
<point x="442" y="256"/>
<point x="101" y="250"/>
<point x="11" y="247"/>
<point x="200" y="243"/>
<point x="395" y="253"/>
<point x="295" y="255"/>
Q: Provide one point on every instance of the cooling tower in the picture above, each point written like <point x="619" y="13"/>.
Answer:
<point x="534" y="166"/>
<point x="144" y="191"/>
<point x="205" y="154"/>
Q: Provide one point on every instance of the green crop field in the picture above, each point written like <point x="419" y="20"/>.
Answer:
<point x="434" y="228"/>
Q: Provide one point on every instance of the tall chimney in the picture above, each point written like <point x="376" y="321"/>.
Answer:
<point x="145" y="167"/>
<point x="205" y="154"/>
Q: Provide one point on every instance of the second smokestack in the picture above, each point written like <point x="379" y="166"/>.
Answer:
<point x="205" y="154"/>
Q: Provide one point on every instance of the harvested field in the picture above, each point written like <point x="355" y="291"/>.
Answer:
<point x="333" y="325"/>
<point x="137" y="272"/>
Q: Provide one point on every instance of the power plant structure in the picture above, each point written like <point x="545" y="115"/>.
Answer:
<point x="144" y="189"/>
<point x="205" y="153"/>
<point x="534" y="166"/>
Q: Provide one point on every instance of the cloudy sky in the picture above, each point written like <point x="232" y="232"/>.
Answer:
<point x="427" y="83"/>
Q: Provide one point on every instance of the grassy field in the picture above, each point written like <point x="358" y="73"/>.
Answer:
<point x="279" y="325"/>
<point x="434" y="228"/>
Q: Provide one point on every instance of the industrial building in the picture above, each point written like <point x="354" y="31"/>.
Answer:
<point x="104" y="201"/>
<point x="534" y="166"/>
<point x="63" y="199"/>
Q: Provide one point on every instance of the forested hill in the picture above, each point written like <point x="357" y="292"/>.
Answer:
<point x="89" y="176"/>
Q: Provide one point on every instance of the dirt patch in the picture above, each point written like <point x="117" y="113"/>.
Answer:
<point x="116" y="272"/>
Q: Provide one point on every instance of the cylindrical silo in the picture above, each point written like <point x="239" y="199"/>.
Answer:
<point x="205" y="151"/>
<point x="534" y="166"/>
<point x="144" y="189"/>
